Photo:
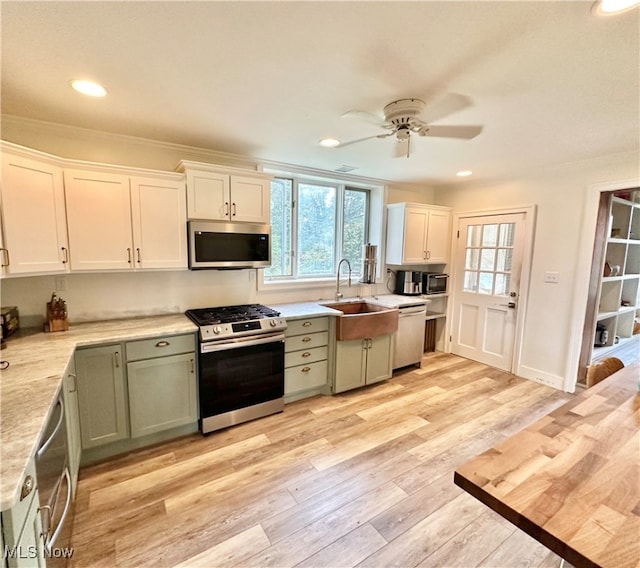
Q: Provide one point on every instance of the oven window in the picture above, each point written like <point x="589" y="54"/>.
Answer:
<point x="237" y="378"/>
<point x="231" y="247"/>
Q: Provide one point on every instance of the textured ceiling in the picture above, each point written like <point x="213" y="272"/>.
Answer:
<point x="549" y="82"/>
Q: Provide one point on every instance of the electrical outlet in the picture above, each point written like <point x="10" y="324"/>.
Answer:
<point x="552" y="277"/>
<point x="60" y="284"/>
<point x="388" y="271"/>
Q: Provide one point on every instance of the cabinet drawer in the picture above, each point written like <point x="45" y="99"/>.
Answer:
<point x="307" y="341"/>
<point x="305" y="377"/>
<point x="160" y="346"/>
<point x="305" y="356"/>
<point x="307" y="325"/>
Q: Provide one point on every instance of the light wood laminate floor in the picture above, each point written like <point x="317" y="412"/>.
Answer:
<point x="364" y="478"/>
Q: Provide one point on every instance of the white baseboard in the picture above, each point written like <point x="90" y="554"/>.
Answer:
<point x="541" y="377"/>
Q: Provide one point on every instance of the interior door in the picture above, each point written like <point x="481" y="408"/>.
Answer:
<point x="486" y="288"/>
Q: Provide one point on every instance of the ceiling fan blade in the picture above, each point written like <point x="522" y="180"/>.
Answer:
<point x="365" y="117"/>
<point x="343" y="144"/>
<point x="453" y="131"/>
<point x="444" y="106"/>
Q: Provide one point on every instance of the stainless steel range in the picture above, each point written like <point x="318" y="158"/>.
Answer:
<point x="241" y="364"/>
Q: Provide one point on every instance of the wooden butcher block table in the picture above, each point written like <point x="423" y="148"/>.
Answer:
<point x="572" y="479"/>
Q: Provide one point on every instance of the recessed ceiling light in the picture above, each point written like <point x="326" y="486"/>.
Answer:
<point x="330" y="142"/>
<point x="464" y="173"/>
<point x="88" y="88"/>
<point x="610" y="7"/>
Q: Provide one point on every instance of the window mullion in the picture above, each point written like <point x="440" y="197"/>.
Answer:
<point x="339" y="228"/>
<point x="294" y="230"/>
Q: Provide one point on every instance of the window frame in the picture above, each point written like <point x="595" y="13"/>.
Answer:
<point x="341" y="186"/>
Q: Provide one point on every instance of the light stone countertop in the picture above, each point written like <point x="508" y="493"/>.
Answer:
<point x="30" y="386"/>
<point x="304" y="310"/>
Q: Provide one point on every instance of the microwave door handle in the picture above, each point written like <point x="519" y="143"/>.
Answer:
<point x="435" y="276"/>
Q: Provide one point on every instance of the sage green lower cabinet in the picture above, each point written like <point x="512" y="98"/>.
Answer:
<point x="22" y="544"/>
<point x="361" y="362"/>
<point x="102" y="395"/>
<point x="162" y="393"/>
<point x="72" y="413"/>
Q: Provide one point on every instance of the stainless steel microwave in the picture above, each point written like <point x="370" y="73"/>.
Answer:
<point x="220" y="245"/>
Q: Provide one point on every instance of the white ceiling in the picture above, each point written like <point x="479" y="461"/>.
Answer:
<point x="549" y="82"/>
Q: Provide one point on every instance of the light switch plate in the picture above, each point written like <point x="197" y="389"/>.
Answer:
<point x="552" y="277"/>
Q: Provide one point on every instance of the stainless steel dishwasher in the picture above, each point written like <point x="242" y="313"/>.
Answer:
<point x="409" y="342"/>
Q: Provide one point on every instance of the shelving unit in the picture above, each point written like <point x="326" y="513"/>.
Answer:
<point x="619" y="291"/>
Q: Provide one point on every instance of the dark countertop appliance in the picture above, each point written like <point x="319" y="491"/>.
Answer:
<point x="241" y="364"/>
<point x="434" y="283"/>
<point x="408" y="282"/>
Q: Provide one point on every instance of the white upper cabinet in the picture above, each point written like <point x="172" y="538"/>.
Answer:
<point x="117" y="222"/>
<point x="33" y="215"/>
<point x="159" y="215"/>
<point x="222" y="195"/>
<point x="418" y="234"/>
<point x="99" y="219"/>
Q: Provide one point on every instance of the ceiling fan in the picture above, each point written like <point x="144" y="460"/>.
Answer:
<point x="401" y="118"/>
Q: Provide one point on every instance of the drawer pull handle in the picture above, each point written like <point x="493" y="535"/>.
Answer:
<point x="306" y="354"/>
<point x="305" y="369"/>
<point x="306" y="339"/>
<point x="306" y="324"/>
<point x="65" y="252"/>
<point x="27" y="487"/>
<point x="163" y="344"/>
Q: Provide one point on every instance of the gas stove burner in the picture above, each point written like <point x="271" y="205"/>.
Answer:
<point x="231" y="321"/>
<point x="231" y="314"/>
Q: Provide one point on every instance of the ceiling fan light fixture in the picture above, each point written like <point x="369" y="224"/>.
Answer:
<point x="330" y="142"/>
<point x="89" y="88"/>
<point x="612" y="7"/>
<point x="464" y="173"/>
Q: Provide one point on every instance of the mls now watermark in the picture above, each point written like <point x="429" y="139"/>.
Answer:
<point x="27" y="552"/>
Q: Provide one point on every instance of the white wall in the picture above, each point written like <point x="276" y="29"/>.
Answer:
<point x="552" y="325"/>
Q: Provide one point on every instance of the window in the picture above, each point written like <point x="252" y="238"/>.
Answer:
<point x="313" y="226"/>
<point x="488" y="258"/>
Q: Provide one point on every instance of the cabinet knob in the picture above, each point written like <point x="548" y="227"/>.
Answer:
<point x="306" y="354"/>
<point x="27" y="487"/>
<point x="306" y="339"/>
<point x="305" y="369"/>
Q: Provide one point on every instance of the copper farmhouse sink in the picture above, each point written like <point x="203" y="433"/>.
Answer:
<point x="363" y="319"/>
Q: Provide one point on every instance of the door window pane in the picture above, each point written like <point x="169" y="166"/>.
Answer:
<point x="507" y="234"/>
<point x="485" y="283"/>
<point x="489" y="235"/>
<point x="487" y="259"/>
<point x="472" y="259"/>
<point x="470" y="281"/>
<point x="473" y="235"/>
<point x="502" y="284"/>
<point x="504" y="258"/>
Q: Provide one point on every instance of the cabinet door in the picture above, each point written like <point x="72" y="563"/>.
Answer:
<point x="162" y="393"/>
<point x="33" y="216"/>
<point x="99" y="220"/>
<point x="208" y="196"/>
<point x="250" y="199"/>
<point x="379" y="359"/>
<point x="159" y="215"/>
<point x="28" y="552"/>
<point x="350" y="364"/>
<point x="438" y="237"/>
<point x="101" y="395"/>
<point x="74" y="449"/>
<point x="415" y="236"/>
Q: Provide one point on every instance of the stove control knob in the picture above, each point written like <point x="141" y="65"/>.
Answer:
<point x="216" y="330"/>
<point x="273" y="323"/>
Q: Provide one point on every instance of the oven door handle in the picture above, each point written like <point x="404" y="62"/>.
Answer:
<point x="49" y="441"/>
<point x="239" y="342"/>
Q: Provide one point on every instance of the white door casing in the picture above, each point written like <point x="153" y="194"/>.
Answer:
<point x="487" y="288"/>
